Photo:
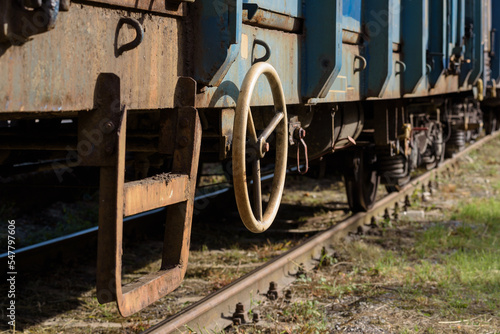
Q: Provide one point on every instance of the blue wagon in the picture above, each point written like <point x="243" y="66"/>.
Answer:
<point x="383" y="86"/>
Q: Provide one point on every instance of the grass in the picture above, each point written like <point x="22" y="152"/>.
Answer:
<point x="435" y="278"/>
<point x="462" y="260"/>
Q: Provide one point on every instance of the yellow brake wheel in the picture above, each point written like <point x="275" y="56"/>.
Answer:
<point x="245" y="137"/>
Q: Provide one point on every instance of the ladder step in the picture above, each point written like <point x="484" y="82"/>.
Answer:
<point x="154" y="192"/>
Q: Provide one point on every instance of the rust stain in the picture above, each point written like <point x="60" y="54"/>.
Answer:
<point x="57" y="72"/>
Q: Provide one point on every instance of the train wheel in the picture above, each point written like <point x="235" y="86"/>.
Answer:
<point x="250" y="148"/>
<point x="391" y="189"/>
<point x="490" y="124"/>
<point x="456" y="143"/>
<point x="361" y="181"/>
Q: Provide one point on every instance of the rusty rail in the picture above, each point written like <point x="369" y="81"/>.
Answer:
<point x="215" y="311"/>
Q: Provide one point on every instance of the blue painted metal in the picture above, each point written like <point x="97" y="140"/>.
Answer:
<point x="495" y="54"/>
<point x="437" y="44"/>
<point x="452" y="31"/>
<point x="469" y="34"/>
<point x="452" y="23"/>
<point x="478" y="46"/>
<point x="414" y="31"/>
<point x="219" y="36"/>
<point x="395" y="12"/>
<point x="377" y="20"/>
<point x="460" y="23"/>
<point x="288" y="7"/>
<point x="457" y="45"/>
<point x="322" y="47"/>
<point x="351" y="12"/>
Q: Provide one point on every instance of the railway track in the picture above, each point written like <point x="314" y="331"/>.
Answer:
<point x="230" y="304"/>
<point x="33" y="257"/>
<point x="72" y="244"/>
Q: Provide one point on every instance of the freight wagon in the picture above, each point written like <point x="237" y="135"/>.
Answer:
<point x="144" y="89"/>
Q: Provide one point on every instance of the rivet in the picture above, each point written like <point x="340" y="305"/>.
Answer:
<point x="108" y="127"/>
<point x="109" y="149"/>
<point x="183" y="141"/>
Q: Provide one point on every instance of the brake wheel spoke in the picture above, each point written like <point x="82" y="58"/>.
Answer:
<point x="257" y="190"/>
<point x="252" y="133"/>
<point x="272" y="126"/>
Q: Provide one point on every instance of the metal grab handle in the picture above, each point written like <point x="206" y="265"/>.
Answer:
<point x="403" y="67"/>
<point x="139" y="30"/>
<point x="362" y="62"/>
<point x="268" y="51"/>
<point x="429" y="69"/>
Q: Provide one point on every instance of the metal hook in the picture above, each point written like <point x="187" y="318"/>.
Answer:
<point x="429" y="69"/>
<point x="403" y="67"/>
<point x="268" y="51"/>
<point x="138" y="38"/>
<point x="299" y="136"/>
<point x="362" y="62"/>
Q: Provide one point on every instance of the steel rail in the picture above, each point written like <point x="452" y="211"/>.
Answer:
<point x="43" y="250"/>
<point x="215" y="311"/>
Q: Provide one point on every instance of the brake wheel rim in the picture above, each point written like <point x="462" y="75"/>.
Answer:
<point x="240" y="180"/>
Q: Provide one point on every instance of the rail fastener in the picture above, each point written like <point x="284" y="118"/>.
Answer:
<point x="211" y="312"/>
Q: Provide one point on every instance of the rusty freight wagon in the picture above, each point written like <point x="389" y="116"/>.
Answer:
<point x="385" y="86"/>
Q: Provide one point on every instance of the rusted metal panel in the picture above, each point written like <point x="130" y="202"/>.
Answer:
<point x="268" y="19"/>
<point x="56" y="71"/>
<point x="351" y="37"/>
<point x="153" y="193"/>
<point x="172" y="7"/>
<point x="288" y="7"/>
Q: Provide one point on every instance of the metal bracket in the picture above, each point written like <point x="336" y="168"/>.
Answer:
<point x="139" y="35"/>
<point x="22" y="19"/>
<point x="118" y="199"/>
<point x="299" y="135"/>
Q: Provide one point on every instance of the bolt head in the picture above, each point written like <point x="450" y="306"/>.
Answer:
<point x="183" y="141"/>
<point x="240" y="308"/>
<point x="108" y="127"/>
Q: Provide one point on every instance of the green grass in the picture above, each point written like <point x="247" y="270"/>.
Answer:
<point x="461" y="259"/>
<point x="434" y="273"/>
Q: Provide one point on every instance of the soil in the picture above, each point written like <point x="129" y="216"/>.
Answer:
<point x="62" y="299"/>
